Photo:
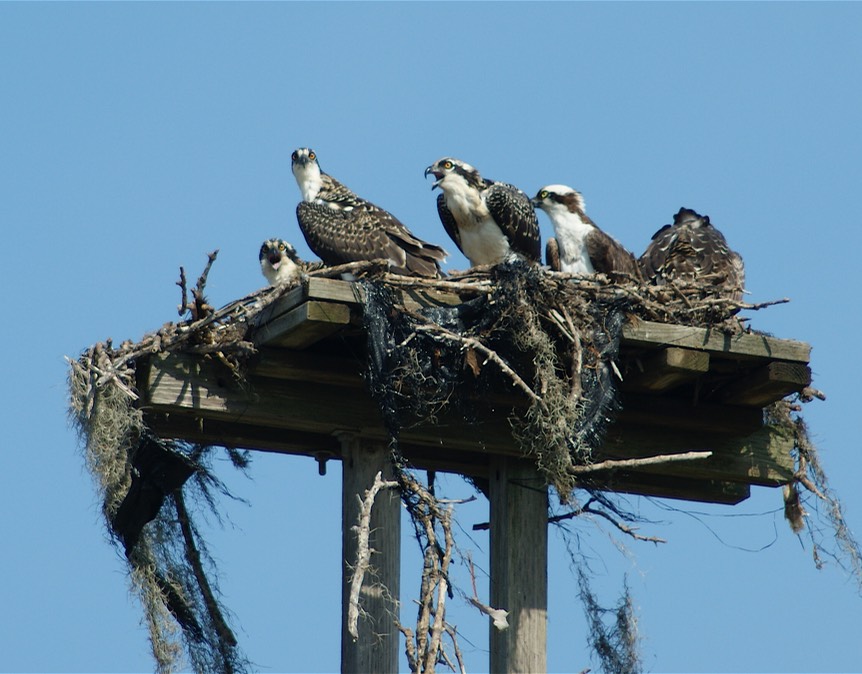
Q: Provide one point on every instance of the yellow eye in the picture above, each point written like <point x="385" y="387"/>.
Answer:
<point x="447" y="164"/>
<point x="311" y="155"/>
<point x="281" y="246"/>
<point x="543" y="194"/>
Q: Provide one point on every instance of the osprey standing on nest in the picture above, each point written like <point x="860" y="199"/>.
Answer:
<point x="488" y="220"/>
<point x="580" y="247"/>
<point x="341" y="227"/>
<point x="692" y="249"/>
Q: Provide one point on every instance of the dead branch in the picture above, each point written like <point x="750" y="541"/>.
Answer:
<point x="183" y="292"/>
<point x="480" y="286"/>
<point x="353" y="268"/>
<point x="636" y="463"/>
<point x="363" y="550"/>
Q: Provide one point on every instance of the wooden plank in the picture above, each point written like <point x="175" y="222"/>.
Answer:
<point x="762" y="458"/>
<point x="519" y="566"/>
<point x="668" y="368"/>
<point x="376" y="648"/>
<point x="767" y="384"/>
<point x="651" y="334"/>
<point x="670" y="413"/>
<point x="665" y="486"/>
<point x="303" y="325"/>
<point x="307" y="367"/>
<point x="325" y="448"/>
<point x="184" y="384"/>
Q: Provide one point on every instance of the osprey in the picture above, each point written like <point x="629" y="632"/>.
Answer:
<point x="341" y="227"/>
<point x="280" y="264"/>
<point x="693" y="249"/>
<point x="580" y="247"/>
<point x="488" y="220"/>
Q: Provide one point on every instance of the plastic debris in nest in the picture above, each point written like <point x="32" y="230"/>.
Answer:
<point x="554" y="343"/>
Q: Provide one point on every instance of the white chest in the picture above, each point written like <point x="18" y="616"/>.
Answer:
<point x="571" y="233"/>
<point x="285" y="271"/>
<point x="481" y="239"/>
<point x="483" y="242"/>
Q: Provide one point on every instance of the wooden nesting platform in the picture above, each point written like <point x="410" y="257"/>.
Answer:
<point x="683" y="389"/>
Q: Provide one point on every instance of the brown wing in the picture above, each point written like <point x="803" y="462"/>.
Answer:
<point x="448" y="221"/>
<point x="366" y="233"/>
<point x="608" y="255"/>
<point x="552" y="254"/>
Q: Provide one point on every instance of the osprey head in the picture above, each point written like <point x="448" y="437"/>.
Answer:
<point x="556" y="198"/>
<point x="450" y="170"/>
<point x="279" y="262"/>
<point x="690" y="218"/>
<point x="306" y="170"/>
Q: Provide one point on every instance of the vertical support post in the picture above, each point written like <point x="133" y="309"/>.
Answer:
<point x="376" y="649"/>
<point x="519" y="565"/>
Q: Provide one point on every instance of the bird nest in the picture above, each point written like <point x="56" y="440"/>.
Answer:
<point x="550" y="338"/>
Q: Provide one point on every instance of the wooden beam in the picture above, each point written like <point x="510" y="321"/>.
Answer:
<point x="307" y="367"/>
<point x="667" y="486"/>
<point x="667" y="369"/>
<point x="376" y="648"/>
<point x="672" y="413"/>
<point x="188" y="385"/>
<point x="762" y="458"/>
<point x="746" y="345"/>
<point x="519" y="565"/>
<point x="303" y="325"/>
<point x="767" y="384"/>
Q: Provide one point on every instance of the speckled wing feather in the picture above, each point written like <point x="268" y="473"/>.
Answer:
<point x="366" y="232"/>
<point x="513" y="212"/>
<point x="692" y="253"/>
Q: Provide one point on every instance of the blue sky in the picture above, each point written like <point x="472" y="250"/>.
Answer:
<point x="138" y="137"/>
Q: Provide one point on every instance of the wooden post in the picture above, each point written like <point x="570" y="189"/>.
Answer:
<point x="376" y="649"/>
<point x="519" y="566"/>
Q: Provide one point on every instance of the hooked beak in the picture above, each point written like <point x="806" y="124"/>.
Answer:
<point x="436" y="174"/>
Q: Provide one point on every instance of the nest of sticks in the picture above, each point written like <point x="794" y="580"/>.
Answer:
<point x="551" y="337"/>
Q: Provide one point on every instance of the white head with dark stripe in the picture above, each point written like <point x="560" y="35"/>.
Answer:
<point x="279" y="262"/>
<point x="559" y="200"/>
<point x="306" y="170"/>
<point x="453" y="174"/>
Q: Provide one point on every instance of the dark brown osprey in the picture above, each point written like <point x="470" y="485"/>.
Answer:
<point x="693" y="249"/>
<point x="341" y="227"/>
<point x="579" y="247"/>
<point x="488" y="220"/>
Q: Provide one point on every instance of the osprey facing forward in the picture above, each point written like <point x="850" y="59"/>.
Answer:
<point x="692" y="249"/>
<point x="488" y="220"/>
<point x="280" y="264"/>
<point x="580" y="247"/>
<point x="341" y="227"/>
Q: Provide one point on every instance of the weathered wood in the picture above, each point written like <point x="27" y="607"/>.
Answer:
<point x="519" y="565"/>
<point x="671" y="413"/>
<point x="185" y="385"/>
<point x="746" y="345"/>
<point x="307" y="367"/>
<point x="376" y="649"/>
<point x="476" y="464"/>
<point x="666" y="486"/>
<point x="667" y="369"/>
<point x="767" y="384"/>
<point x="761" y="458"/>
<point x="303" y="325"/>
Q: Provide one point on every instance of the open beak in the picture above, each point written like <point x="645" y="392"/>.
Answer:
<point x="436" y="174"/>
